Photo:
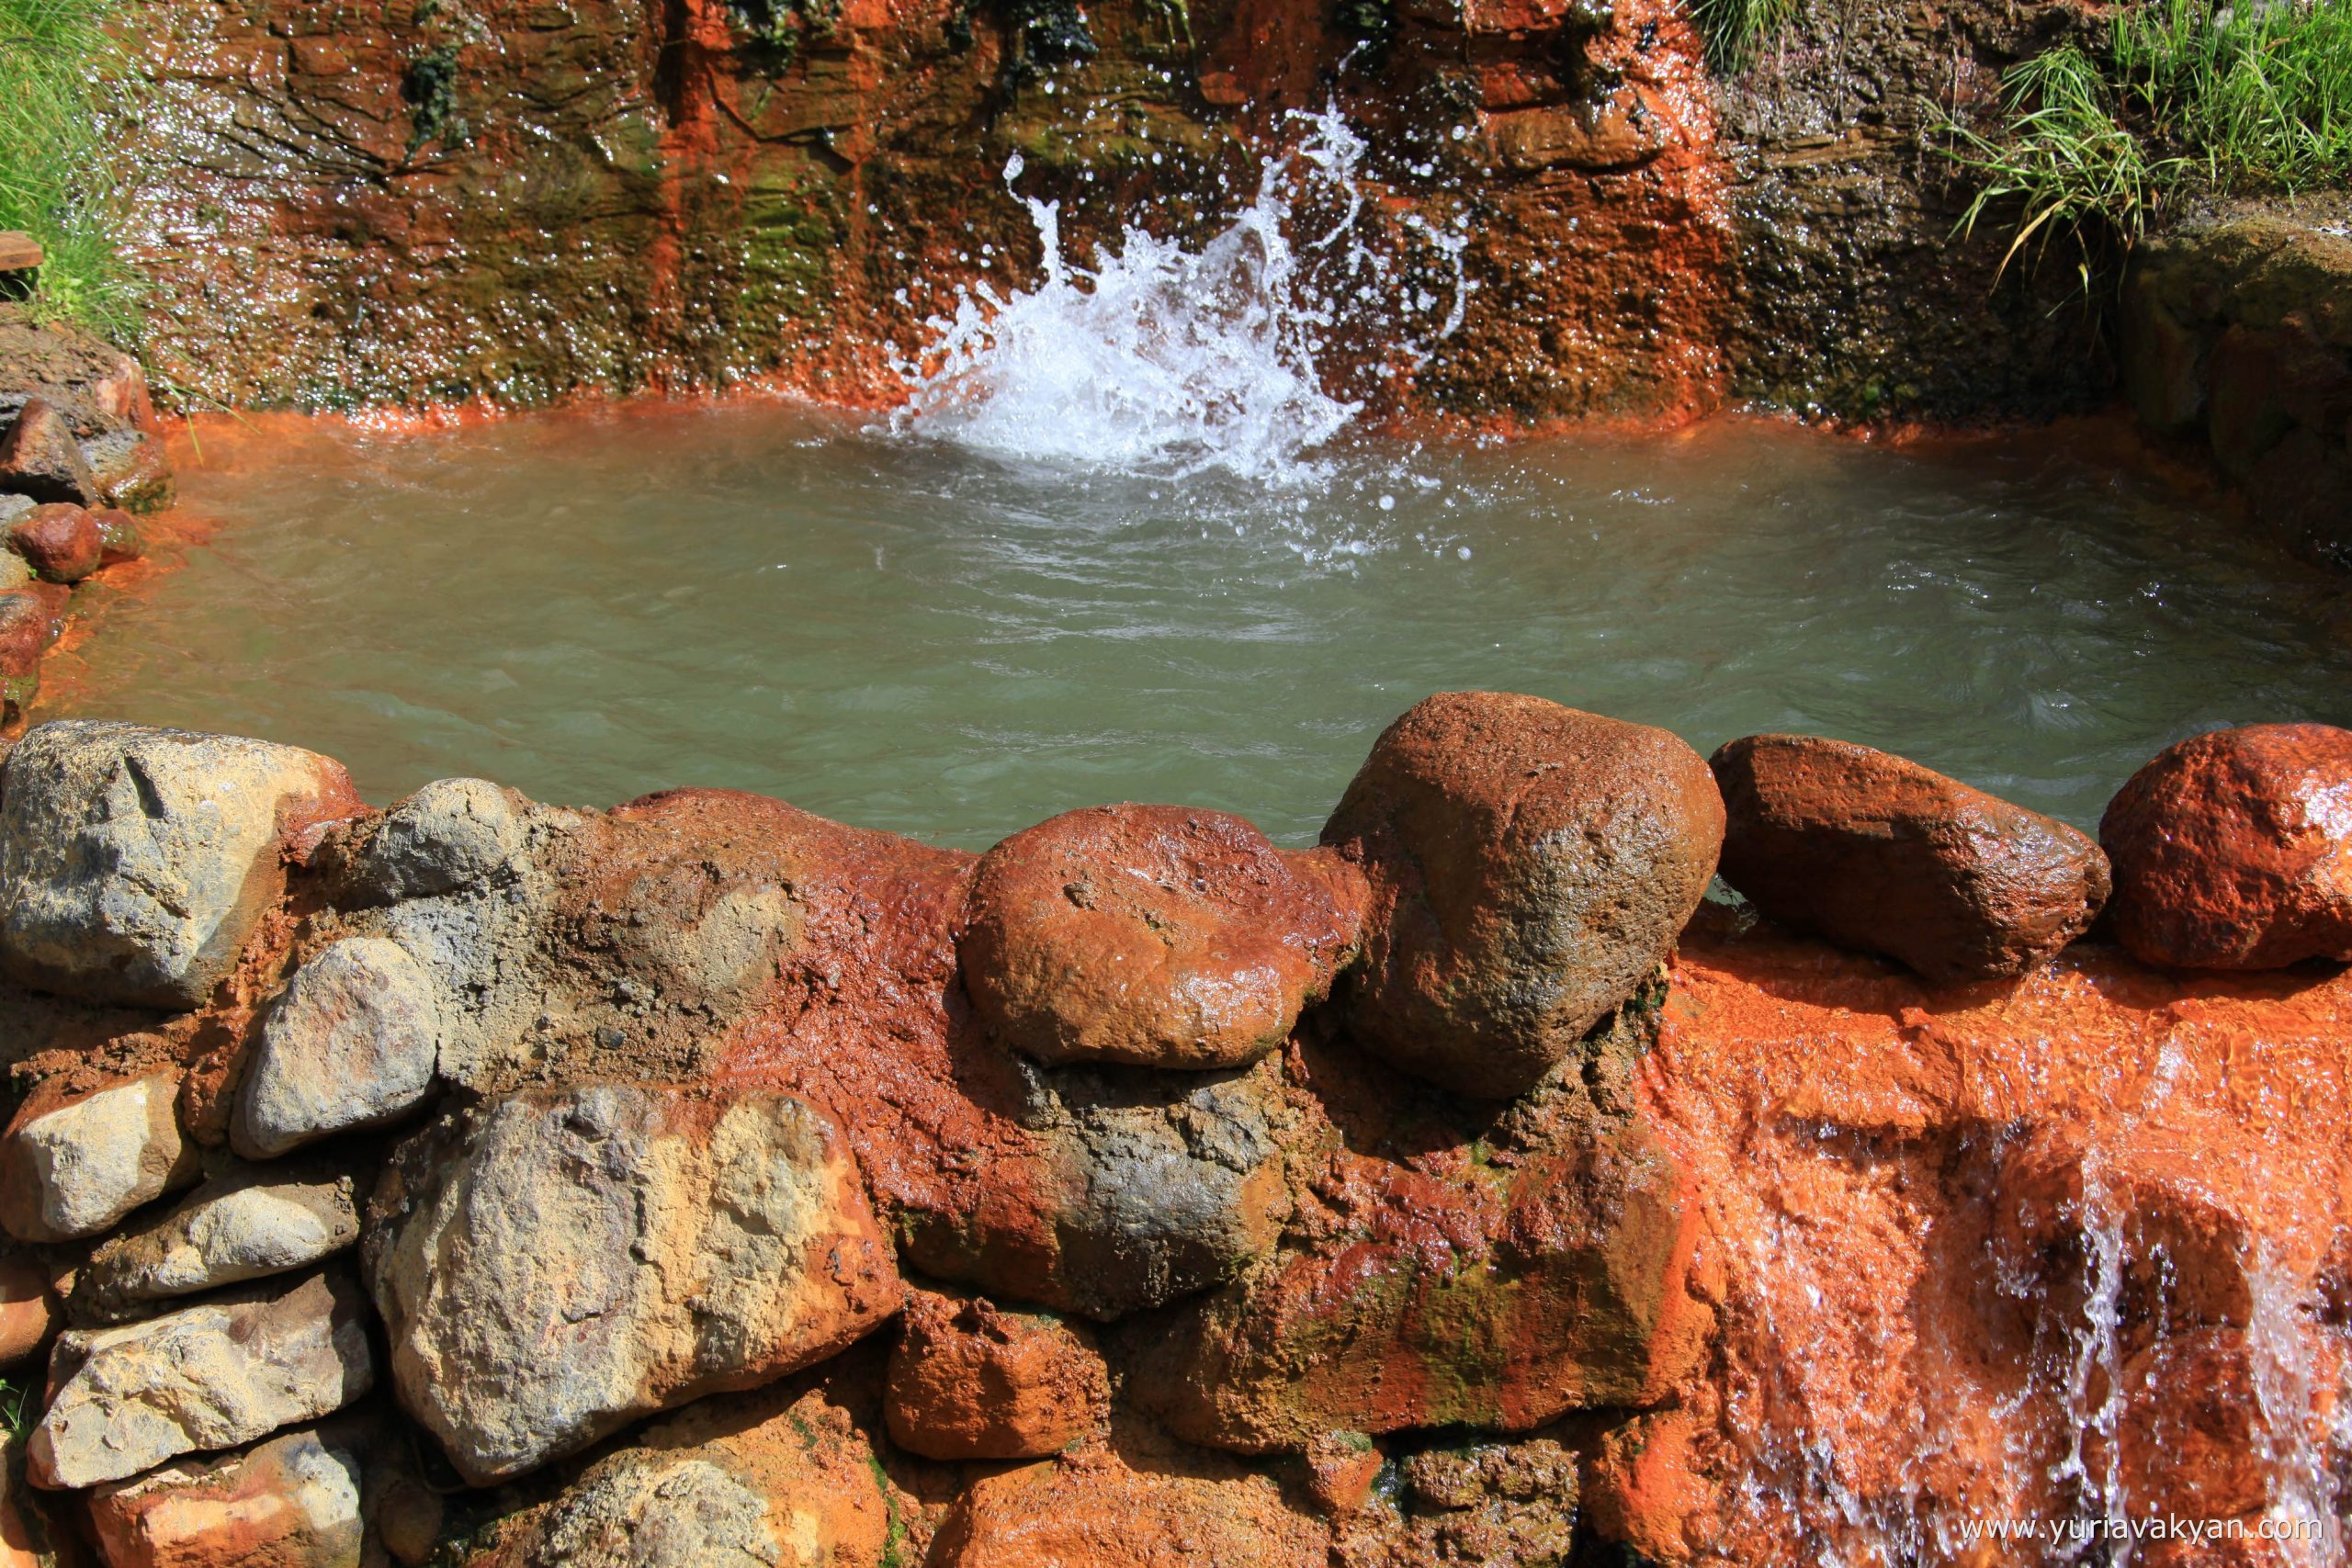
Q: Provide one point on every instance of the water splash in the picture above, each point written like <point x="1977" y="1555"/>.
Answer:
<point x="1173" y="362"/>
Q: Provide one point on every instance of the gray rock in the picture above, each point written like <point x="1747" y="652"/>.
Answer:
<point x="351" y="1043"/>
<point x="13" y="506"/>
<point x="73" y="1167"/>
<point x="452" y="835"/>
<point x="246" y="1225"/>
<point x="131" y="469"/>
<point x="292" y="1502"/>
<point x="676" y="1510"/>
<point x="555" y="1266"/>
<point x="212" y="1376"/>
<point x="135" y="861"/>
<point x="40" y="458"/>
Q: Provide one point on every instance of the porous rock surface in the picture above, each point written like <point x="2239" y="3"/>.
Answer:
<point x="1876" y="852"/>
<point x="562" y="1262"/>
<point x="2233" y="850"/>
<point x="125" y="1399"/>
<point x="292" y="1502"/>
<point x="971" y="1380"/>
<point x="1790" y="1252"/>
<point x="75" y="1163"/>
<point x="243" y="1224"/>
<point x="60" y="543"/>
<point x="40" y="459"/>
<point x="1530" y="864"/>
<point x="1153" y="935"/>
<point x="135" y="861"/>
<point x="351" y="1043"/>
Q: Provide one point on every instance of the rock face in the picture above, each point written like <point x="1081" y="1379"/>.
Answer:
<point x="245" y="1226"/>
<point x="1532" y="864"/>
<point x="75" y="1166"/>
<point x="60" y="541"/>
<point x="778" y="1480"/>
<point x="352" y="1043"/>
<point x="134" y="862"/>
<point x="2233" y="331"/>
<point x="968" y="1381"/>
<point x="555" y="1266"/>
<point x="1152" y="935"/>
<point x="40" y="458"/>
<point x="2234" y="850"/>
<point x="293" y="1502"/>
<point x="1098" y="1513"/>
<point x="1878" y="853"/>
<point x="125" y="1399"/>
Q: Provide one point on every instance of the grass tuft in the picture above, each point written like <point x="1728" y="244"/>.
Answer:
<point x="58" y="64"/>
<point x="1735" y="29"/>
<point x="2185" y="96"/>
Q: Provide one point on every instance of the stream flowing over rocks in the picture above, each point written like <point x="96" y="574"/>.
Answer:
<point x="703" y="1182"/>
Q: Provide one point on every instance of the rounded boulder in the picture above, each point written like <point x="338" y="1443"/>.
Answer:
<point x="1531" y="865"/>
<point x="2234" y="850"/>
<point x="1877" y="854"/>
<point x="61" y="542"/>
<point x="1154" y="936"/>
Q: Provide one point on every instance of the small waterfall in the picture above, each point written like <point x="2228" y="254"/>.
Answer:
<point x="1173" y="362"/>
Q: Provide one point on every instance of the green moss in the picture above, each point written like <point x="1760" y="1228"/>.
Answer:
<point x="791" y="230"/>
<point x="429" y="87"/>
<point x="1042" y="35"/>
<point x="894" y="1543"/>
<point x="778" y="29"/>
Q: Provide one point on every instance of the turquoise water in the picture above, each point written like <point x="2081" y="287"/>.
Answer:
<point x="907" y="633"/>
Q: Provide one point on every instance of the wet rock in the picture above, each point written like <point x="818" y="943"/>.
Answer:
<point x="1152" y="935"/>
<point x="968" y="1381"/>
<point x="1573" y="1263"/>
<point x="1342" y="1470"/>
<point x="350" y="1044"/>
<point x="60" y="542"/>
<point x="451" y="836"/>
<point x="30" y="616"/>
<point x="1645" y="1487"/>
<point x="1878" y="853"/>
<point x="40" y="458"/>
<point x="753" y="1484"/>
<point x="76" y="1165"/>
<point x="135" y="861"/>
<point x="1094" y="1512"/>
<point x="212" y="1376"/>
<point x="120" y="538"/>
<point x="29" y="1308"/>
<point x="1146" y="1188"/>
<point x="245" y="1226"/>
<point x="1531" y="865"/>
<point x="293" y="1502"/>
<point x="2234" y="850"/>
<point x="558" y="1264"/>
<point x="131" y="469"/>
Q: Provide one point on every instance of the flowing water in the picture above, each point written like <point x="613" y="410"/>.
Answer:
<point x="901" y="632"/>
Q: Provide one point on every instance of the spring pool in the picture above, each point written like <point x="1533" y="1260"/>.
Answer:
<point x="905" y="633"/>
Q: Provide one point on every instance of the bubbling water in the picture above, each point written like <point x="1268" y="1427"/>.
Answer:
<point x="1165" y="361"/>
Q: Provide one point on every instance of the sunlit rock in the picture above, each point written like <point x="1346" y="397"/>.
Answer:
<point x="71" y="1164"/>
<point x="1531" y="865"/>
<point x="970" y="1380"/>
<point x="1879" y="853"/>
<point x="352" y="1043"/>
<point x="134" y="862"/>
<point x="292" y="1502"/>
<point x="2233" y="850"/>
<point x="554" y="1266"/>
<point x="211" y="1376"/>
<point x="245" y="1226"/>
<point x="1153" y="935"/>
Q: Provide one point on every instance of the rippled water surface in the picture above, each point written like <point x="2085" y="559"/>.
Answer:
<point x="907" y="635"/>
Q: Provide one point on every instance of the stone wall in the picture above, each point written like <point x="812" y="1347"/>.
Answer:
<point x="2236" y="335"/>
<point x="701" y="1181"/>
<point x="420" y="200"/>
